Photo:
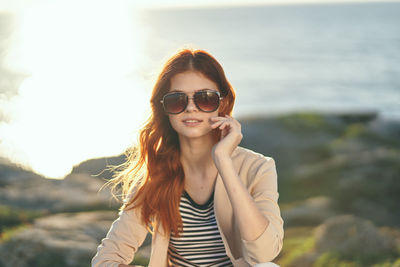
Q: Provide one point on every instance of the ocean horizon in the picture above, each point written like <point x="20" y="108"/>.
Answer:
<point x="80" y="87"/>
<point x="331" y="58"/>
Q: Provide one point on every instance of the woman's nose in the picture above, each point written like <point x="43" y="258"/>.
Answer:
<point x="191" y="106"/>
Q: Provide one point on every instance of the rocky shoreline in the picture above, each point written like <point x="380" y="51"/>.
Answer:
<point x="338" y="183"/>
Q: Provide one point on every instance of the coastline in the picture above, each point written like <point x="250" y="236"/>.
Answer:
<point x="330" y="167"/>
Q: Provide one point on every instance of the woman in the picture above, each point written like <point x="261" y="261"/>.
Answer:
<point x="207" y="201"/>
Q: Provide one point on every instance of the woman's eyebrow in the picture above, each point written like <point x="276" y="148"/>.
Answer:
<point x="206" y="89"/>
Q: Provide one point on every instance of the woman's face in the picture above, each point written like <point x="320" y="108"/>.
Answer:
<point x="192" y="122"/>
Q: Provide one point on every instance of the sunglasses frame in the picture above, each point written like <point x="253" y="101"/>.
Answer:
<point x="188" y="98"/>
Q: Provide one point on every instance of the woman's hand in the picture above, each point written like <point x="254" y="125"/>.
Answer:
<point x="231" y="135"/>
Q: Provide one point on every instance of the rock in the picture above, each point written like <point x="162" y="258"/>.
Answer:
<point x="305" y="260"/>
<point x="65" y="239"/>
<point x="26" y="190"/>
<point x="312" y="211"/>
<point x="387" y="128"/>
<point x="97" y="167"/>
<point x="351" y="236"/>
<point x="372" y="210"/>
<point x="360" y="116"/>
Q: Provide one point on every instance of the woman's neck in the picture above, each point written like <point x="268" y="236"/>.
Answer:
<point x="196" y="154"/>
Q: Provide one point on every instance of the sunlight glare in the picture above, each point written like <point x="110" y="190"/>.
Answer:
<point x="84" y="97"/>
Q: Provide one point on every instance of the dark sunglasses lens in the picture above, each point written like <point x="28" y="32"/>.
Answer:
<point x="207" y="101"/>
<point x="175" y="103"/>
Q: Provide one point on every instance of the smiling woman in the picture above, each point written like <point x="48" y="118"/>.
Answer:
<point x="81" y="58"/>
<point x="206" y="200"/>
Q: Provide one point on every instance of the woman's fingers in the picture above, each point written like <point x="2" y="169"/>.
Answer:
<point x="217" y="121"/>
<point x="223" y="122"/>
<point x="217" y="118"/>
<point x="227" y="127"/>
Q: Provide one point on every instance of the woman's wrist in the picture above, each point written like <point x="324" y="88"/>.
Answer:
<point x="221" y="157"/>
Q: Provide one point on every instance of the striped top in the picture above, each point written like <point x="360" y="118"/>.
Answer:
<point x="200" y="242"/>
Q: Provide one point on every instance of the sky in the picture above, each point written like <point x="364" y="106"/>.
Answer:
<point x="16" y="5"/>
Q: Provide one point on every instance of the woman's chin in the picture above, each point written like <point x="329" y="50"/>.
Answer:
<point x="195" y="133"/>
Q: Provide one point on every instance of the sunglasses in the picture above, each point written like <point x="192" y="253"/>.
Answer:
<point x="206" y="101"/>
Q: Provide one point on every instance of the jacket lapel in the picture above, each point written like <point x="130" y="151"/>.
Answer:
<point x="223" y="213"/>
<point x="159" y="248"/>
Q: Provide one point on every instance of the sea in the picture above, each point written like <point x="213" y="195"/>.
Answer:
<point x="337" y="57"/>
<point x="280" y="59"/>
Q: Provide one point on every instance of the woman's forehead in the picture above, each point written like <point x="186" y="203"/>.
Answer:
<point x="191" y="81"/>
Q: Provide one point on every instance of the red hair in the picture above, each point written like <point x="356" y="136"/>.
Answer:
<point x="153" y="173"/>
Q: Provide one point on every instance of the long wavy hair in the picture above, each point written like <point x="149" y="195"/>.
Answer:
<point x="153" y="174"/>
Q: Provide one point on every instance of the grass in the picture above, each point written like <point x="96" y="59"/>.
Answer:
<point x="335" y="259"/>
<point x="10" y="217"/>
<point x="297" y="242"/>
<point x="388" y="263"/>
<point x="303" y="121"/>
<point x="140" y="260"/>
<point x="8" y="233"/>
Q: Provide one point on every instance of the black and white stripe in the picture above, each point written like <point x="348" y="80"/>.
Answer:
<point x="200" y="242"/>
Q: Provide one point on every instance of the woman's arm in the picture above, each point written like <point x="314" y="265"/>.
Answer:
<point x="255" y="204"/>
<point x="122" y="241"/>
<point x="259" y="175"/>
<point x="252" y="223"/>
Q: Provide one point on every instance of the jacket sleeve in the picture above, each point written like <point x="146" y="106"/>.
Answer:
<point x="264" y="190"/>
<point x="124" y="237"/>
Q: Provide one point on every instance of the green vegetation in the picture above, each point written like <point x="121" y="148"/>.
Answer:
<point x="8" y="233"/>
<point x="10" y="216"/>
<point x="303" y="121"/>
<point x="333" y="259"/>
<point x="140" y="260"/>
<point x="298" y="241"/>
<point x="51" y="259"/>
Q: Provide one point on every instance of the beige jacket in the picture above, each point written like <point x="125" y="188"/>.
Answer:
<point x="258" y="174"/>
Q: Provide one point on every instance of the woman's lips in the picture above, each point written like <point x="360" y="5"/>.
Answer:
<point x="192" y="122"/>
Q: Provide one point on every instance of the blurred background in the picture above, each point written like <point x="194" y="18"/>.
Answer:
<point x="318" y="89"/>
